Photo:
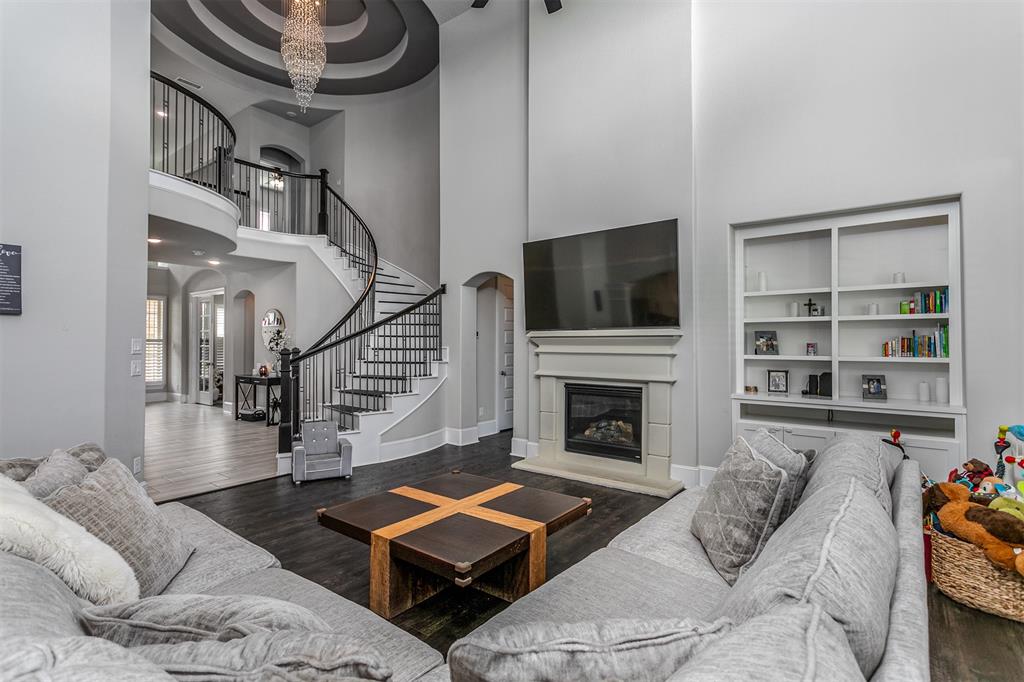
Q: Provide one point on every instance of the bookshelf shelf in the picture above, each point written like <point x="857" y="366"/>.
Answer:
<point x="894" y="318"/>
<point x="858" y="254"/>
<point x="903" y="286"/>
<point x="872" y="359"/>
<point x="789" y="358"/>
<point x="789" y="292"/>
<point x="787" y="320"/>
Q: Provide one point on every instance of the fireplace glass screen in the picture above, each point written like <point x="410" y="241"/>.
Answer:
<point x="606" y="421"/>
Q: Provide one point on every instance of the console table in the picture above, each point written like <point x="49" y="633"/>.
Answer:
<point x="247" y="388"/>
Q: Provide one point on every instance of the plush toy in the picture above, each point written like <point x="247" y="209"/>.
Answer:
<point x="1012" y="507"/>
<point x="974" y="472"/>
<point x="999" y="535"/>
<point x="1015" y="473"/>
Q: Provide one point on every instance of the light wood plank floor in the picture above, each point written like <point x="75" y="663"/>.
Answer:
<point x="193" y="449"/>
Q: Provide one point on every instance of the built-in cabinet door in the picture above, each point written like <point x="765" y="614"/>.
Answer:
<point x="748" y="429"/>
<point x="936" y="457"/>
<point x="806" y="439"/>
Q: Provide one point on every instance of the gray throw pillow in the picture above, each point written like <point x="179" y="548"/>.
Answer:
<point x="112" y="505"/>
<point x="171" y="618"/>
<point x="89" y="454"/>
<point x="19" y="468"/>
<point x="53" y="473"/>
<point x="570" y="652"/>
<point x="288" y="656"/>
<point x="793" y="642"/>
<point x="74" y="659"/>
<point x="793" y="463"/>
<point x="860" y="456"/>
<point x="740" y="509"/>
<point x="838" y="550"/>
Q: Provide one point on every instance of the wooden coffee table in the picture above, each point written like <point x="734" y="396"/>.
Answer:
<point x="455" y="528"/>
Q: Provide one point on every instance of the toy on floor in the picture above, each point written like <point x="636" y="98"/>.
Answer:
<point x="998" y="534"/>
<point x="975" y="471"/>
<point x="1014" y="508"/>
<point x="1013" y="474"/>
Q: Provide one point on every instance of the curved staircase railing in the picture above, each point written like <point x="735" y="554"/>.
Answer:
<point x="359" y="360"/>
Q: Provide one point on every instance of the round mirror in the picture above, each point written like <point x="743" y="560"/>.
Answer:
<point x="272" y="323"/>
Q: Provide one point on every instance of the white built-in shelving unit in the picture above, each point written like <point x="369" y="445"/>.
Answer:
<point x="845" y="262"/>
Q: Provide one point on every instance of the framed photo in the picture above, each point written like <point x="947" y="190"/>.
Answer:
<point x="766" y="343"/>
<point x="778" y="381"/>
<point x="873" y="387"/>
<point x="812" y="348"/>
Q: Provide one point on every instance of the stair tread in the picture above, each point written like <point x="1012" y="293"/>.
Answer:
<point x="393" y="377"/>
<point x="347" y="409"/>
<point x="362" y="391"/>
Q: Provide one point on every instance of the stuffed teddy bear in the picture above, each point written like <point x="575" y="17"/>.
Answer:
<point x="999" y="535"/>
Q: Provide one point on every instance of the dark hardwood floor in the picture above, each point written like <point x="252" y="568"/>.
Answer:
<point x="280" y="517"/>
<point x="965" y="644"/>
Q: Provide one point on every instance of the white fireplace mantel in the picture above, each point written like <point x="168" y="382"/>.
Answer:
<point x="634" y="357"/>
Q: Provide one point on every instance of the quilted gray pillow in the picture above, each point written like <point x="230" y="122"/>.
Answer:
<point x="838" y="550"/>
<point x="19" y="468"/>
<point x="285" y="655"/>
<point x="78" y="659"/>
<point x="570" y="652"/>
<point x="792" y="642"/>
<point x="740" y="509"/>
<point x="89" y="454"/>
<point x="860" y="456"/>
<point x="793" y="463"/>
<point x="53" y="473"/>
<point x="170" y="618"/>
<point x="112" y="505"/>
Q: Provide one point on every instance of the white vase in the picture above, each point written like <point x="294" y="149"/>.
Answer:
<point x="762" y="281"/>
<point x="942" y="390"/>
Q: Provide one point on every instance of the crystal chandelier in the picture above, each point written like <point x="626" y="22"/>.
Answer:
<point x="302" y="46"/>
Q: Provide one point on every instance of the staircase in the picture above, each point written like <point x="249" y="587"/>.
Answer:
<point x="383" y="359"/>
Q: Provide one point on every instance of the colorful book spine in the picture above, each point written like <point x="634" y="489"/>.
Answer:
<point x="925" y="302"/>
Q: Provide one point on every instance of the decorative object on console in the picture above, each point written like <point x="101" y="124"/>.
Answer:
<point x="264" y="371"/>
<point x="766" y="343"/>
<point x="90" y="568"/>
<point x="778" y="381"/>
<point x="873" y="387"/>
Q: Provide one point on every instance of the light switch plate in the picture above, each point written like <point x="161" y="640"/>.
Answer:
<point x="137" y="465"/>
<point x="136" y="346"/>
<point x="136" y="368"/>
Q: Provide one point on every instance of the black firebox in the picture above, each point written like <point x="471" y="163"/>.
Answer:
<point x="605" y="421"/>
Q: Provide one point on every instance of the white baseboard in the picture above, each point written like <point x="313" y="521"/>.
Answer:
<point x="518" y="447"/>
<point x="156" y="397"/>
<point x="407" y="447"/>
<point x="229" y="408"/>
<point x="284" y="464"/>
<point x="693" y="476"/>
<point x="460" y="437"/>
<point x="487" y="428"/>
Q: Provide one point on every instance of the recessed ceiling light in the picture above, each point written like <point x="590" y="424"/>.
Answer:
<point x="213" y="262"/>
<point x="161" y="113"/>
<point x="198" y="252"/>
<point x="154" y="240"/>
<point x="290" y="114"/>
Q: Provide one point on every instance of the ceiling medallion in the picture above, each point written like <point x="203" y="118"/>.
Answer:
<point x="302" y="46"/>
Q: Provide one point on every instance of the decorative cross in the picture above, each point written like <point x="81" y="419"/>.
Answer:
<point x="809" y="305"/>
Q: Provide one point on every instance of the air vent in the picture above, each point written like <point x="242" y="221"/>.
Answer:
<point x="191" y="84"/>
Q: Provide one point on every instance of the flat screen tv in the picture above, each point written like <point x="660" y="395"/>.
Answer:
<point x="613" y="279"/>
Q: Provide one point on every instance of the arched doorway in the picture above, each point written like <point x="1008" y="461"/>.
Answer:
<point x="493" y="351"/>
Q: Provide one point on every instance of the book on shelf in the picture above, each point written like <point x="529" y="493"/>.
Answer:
<point x="926" y="302"/>
<point x="934" y="345"/>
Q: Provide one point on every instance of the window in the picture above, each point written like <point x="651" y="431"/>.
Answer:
<point x="156" y="347"/>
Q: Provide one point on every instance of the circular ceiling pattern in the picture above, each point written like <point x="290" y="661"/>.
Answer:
<point x="372" y="45"/>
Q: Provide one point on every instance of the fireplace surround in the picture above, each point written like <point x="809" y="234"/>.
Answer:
<point x="637" y="360"/>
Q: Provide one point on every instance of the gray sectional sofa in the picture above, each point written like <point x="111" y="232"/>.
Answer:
<point x="654" y="570"/>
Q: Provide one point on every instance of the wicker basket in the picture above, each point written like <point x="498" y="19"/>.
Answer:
<point x="961" y="571"/>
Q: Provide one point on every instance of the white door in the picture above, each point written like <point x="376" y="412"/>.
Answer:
<point x="506" y="355"/>
<point x="205" y="359"/>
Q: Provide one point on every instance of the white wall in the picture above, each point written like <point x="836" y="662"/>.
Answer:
<point x="255" y="128"/>
<point x="610" y="142"/>
<point x="807" y="107"/>
<point x="84" y="270"/>
<point x="483" y="185"/>
<point x="327" y="150"/>
<point x="391" y="173"/>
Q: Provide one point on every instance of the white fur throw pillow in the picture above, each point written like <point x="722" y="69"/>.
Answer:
<point x="92" y="569"/>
